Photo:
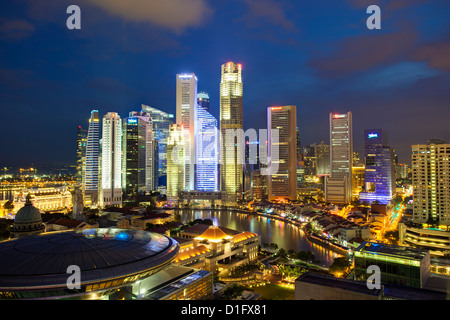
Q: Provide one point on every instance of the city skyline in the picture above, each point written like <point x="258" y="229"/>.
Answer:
<point x="309" y="55"/>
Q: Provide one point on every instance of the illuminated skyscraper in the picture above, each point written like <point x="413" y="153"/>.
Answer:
<point x="431" y="182"/>
<point x="282" y="180"/>
<point x="206" y="151"/>
<point x="161" y="126"/>
<point x="175" y="163"/>
<point x="186" y="103"/>
<point x="140" y="165"/>
<point x="203" y="100"/>
<point x="379" y="176"/>
<point x="338" y="187"/>
<point x="231" y="119"/>
<point x="111" y="160"/>
<point x="81" y="154"/>
<point x="91" y="183"/>
<point x="322" y="152"/>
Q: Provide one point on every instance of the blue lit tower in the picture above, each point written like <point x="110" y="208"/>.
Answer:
<point x="161" y="127"/>
<point x="379" y="172"/>
<point x="91" y="187"/>
<point x="207" y="150"/>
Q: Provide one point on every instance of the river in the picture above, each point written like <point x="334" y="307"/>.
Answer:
<point x="285" y="235"/>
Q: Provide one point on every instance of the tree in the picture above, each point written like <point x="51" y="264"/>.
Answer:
<point x="392" y="237"/>
<point x="340" y="266"/>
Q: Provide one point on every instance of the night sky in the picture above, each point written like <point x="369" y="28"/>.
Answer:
<point x="318" y="55"/>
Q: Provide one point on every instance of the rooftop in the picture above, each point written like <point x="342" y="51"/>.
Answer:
<point x="391" y="250"/>
<point x="101" y="254"/>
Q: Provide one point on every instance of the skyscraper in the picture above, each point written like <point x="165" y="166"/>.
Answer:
<point x="91" y="173"/>
<point x="81" y="154"/>
<point x="186" y="103"/>
<point x="379" y="176"/>
<point x="207" y="150"/>
<point x="282" y="179"/>
<point x="139" y="165"/>
<point x="203" y="100"/>
<point x="431" y="182"/>
<point x="161" y="126"/>
<point x="231" y="119"/>
<point x="111" y="160"/>
<point x="322" y="153"/>
<point x="175" y="163"/>
<point x="338" y="187"/>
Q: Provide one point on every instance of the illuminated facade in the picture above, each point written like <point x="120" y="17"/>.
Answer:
<point x="111" y="162"/>
<point x="81" y="154"/>
<point x="282" y="179"/>
<point x="203" y="100"/>
<point x="161" y="126"/>
<point x="91" y="173"/>
<point x="400" y="266"/>
<point x="322" y="152"/>
<point x="231" y="119"/>
<point x="338" y="187"/>
<point x="175" y="163"/>
<point x="206" y="151"/>
<point x="379" y="176"/>
<point x="186" y="101"/>
<point x="431" y="182"/>
<point x="140" y="163"/>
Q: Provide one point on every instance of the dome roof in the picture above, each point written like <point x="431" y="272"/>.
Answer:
<point x="214" y="233"/>
<point x="28" y="213"/>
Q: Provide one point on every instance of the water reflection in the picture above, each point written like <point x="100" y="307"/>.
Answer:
<point x="285" y="235"/>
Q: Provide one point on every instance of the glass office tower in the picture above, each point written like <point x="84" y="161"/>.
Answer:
<point x="203" y="100"/>
<point x="231" y="119"/>
<point x="282" y="179"/>
<point x="206" y="151"/>
<point x="81" y="154"/>
<point x="186" y="102"/>
<point x="338" y="187"/>
<point x="91" y="173"/>
<point x="111" y="170"/>
<point x="379" y="175"/>
<point x="161" y="125"/>
<point x="139" y="165"/>
<point x="175" y="163"/>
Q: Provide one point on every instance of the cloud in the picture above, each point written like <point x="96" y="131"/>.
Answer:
<point x="363" y="52"/>
<point x="435" y="54"/>
<point x="268" y="11"/>
<point x="176" y="15"/>
<point x="15" y="29"/>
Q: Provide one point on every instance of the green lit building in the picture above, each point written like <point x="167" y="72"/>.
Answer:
<point x="401" y="266"/>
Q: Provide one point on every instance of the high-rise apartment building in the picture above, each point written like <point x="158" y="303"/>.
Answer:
<point x="139" y="165"/>
<point x="207" y="142"/>
<point x="186" y="103"/>
<point x="111" y="162"/>
<point x="338" y="187"/>
<point x="231" y="119"/>
<point x="431" y="182"/>
<point x="81" y="154"/>
<point x="161" y="125"/>
<point x="175" y="163"/>
<point x="282" y="179"/>
<point x="91" y="172"/>
<point x="379" y="176"/>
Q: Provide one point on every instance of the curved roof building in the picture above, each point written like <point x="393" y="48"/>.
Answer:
<point x="39" y="266"/>
<point x="27" y="221"/>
